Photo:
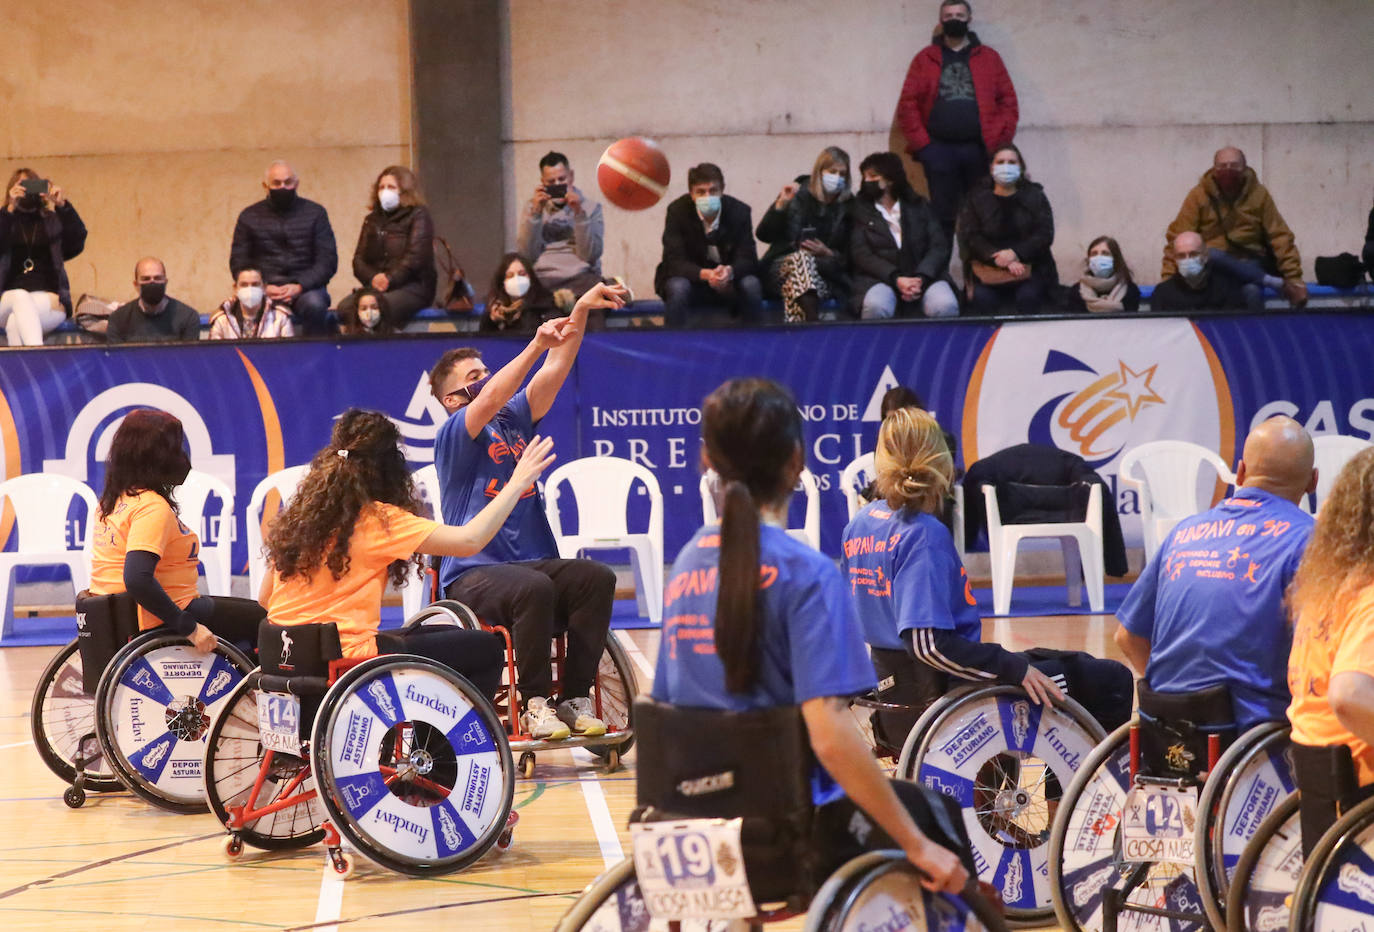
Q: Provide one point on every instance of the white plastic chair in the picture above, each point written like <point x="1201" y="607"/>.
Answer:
<point x="192" y="497"/>
<point x="283" y="482"/>
<point x="1167" y="476"/>
<point x="415" y="591"/>
<point x="810" y="531"/>
<point x="600" y="487"/>
<point x="1083" y="563"/>
<point x="1332" y="452"/>
<point x="40" y="502"/>
<point x="855" y="476"/>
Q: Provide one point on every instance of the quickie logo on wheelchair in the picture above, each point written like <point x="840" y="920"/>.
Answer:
<point x="448" y="829"/>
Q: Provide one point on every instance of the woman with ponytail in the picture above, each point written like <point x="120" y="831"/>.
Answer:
<point x="912" y="595"/>
<point x="355" y="522"/>
<point x="755" y="619"/>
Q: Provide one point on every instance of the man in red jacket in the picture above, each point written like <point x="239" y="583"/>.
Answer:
<point x="957" y="105"/>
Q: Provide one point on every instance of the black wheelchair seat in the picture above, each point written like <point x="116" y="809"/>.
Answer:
<point x="1176" y="730"/>
<point x="104" y="624"/>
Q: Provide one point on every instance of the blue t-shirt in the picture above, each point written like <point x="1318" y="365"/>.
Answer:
<point x="904" y="573"/>
<point x="1210" y="603"/>
<point x="810" y="645"/>
<point x="473" y="470"/>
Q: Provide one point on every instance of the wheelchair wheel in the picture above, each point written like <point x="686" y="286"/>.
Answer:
<point x="1085" y="850"/>
<point x="63" y="723"/>
<point x="233" y="762"/>
<point x="155" y="704"/>
<point x="1250" y="779"/>
<point x="611" y="903"/>
<point x="882" y="890"/>
<point x="445" y="611"/>
<point x="614" y="694"/>
<point x="1006" y="760"/>
<point x="413" y="765"/>
<point x="1336" y="890"/>
<point x="1267" y="873"/>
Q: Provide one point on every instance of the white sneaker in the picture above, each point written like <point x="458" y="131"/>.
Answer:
<point x="542" y="723"/>
<point x="578" y="715"/>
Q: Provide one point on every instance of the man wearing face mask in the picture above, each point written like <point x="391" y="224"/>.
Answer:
<point x="1200" y="284"/>
<point x="709" y="256"/>
<point x="250" y="314"/>
<point x="561" y="230"/>
<point x="1241" y="226"/>
<point x="291" y="241"/>
<point x="153" y="317"/>
<point x="957" y="105"/>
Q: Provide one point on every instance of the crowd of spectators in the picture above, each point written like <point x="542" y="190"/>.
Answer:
<point x="868" y="246"/>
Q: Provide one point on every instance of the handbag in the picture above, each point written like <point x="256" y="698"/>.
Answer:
<point x="92" y="314"/>
<point x="992" y="275"/>
<point x="458" y="293"/>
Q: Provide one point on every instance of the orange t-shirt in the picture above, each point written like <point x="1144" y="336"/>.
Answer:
<point x="382" y="534"/>
<point x="1322" y="649"/>
<point x="146" y="522"/>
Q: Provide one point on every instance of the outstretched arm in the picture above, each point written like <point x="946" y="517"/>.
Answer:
<point x="506" y="381"/>
<point x="465" y="540"/>
<point x="547" y="382"/>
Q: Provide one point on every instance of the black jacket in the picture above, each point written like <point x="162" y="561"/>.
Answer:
<point x="296" y="245"/>
<point x="875" y="258"/>
<point x="1369" y="246"/>
<point x="1034" y="464"/>
<point x="1022" y="222"/>
<point x="66" y="239"/>
<point x="176" y="323"/>
<point x="782" y="229"/>
<point x="1219" y="292"/>
<point x="685" y="244"/>
<point x="401" y="246"/>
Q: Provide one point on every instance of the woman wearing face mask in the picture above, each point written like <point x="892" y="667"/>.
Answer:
<point x="1006" y="229"/>
<point x="1106" y="285"/>
<point x="142" y="548"/>
<point x="395" y="253"/>
<point x="517" y="301"/>
<point x="807" y="231"/>
<point x="250" y="314"/>
<point x="368" y="315"/>
<point x="39" y="232"/>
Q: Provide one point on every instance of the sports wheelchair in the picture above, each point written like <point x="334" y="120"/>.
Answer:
<point x="612" y="694"/>
<point x="720" y="835"/>
<point x="1134" y="845"/>
<point x="118" y="709"/>
<point x="396" y="754"/>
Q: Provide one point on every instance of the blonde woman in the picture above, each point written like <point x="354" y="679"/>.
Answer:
<point x="807" y="231"/>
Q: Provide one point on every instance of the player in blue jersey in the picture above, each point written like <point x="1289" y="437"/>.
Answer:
<point x="1208" y="609"/>
<point x="911" y="593"/>
<point x="754" y="619"/>
<point x="517" y="580"/>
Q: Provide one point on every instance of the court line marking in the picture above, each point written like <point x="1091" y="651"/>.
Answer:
<point x="17" y="744"/>
<point x="43" y="881"/>
<point x="438" y="906"/>
<point x="636" y="655"/>
<point x="331" y="899"/>
<point x="606" y="837"/>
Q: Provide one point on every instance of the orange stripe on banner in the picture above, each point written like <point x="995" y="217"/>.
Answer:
<point x="10" y="433"/>
<point x="637" y="177"/>
<point x="271" y="426"/>
<point x="975" y="390"/>
<point x="1226" y="409"/>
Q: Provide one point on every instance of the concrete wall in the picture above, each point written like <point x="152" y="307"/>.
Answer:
<point x="1122" y="102"/>
<point x="159" y="120"/>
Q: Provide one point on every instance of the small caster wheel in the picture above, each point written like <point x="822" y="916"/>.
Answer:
<point x="341" y="862"/>
<point x="527" y="764"/>
<point x="232" y="845"/>
<point x="74" y="797"/>
<point x="613" y="760"/>
<point x="503" y="841"/>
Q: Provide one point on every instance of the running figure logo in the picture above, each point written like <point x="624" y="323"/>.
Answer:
<point x="286" y="641"/>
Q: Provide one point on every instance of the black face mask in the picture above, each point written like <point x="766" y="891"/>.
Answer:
<point x="152" y="293"/>
<point x="955" y="28"/>
<point x="871" y="189"/>
<point x="281" y="198"/>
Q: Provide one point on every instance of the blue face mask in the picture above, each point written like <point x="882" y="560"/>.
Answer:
<point x="832" y="182"/>
<point x="1101" y="266"/>
<point x="1190" y="267"/>
<point x="1006" y="173"/>
<point x="709" y="205"/>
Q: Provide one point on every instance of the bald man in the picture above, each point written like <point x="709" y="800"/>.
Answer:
<point x="1208" y="608"/>
<point x="154" y="316"/>
<point x="1240" y="225"/>
<point x="1205" y="281"/>
<point x="289" y="240"/>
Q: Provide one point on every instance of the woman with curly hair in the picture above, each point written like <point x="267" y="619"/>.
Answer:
<point x="1331" y="666"/>
<point x="355" y="522"/>
<point x="142" y="548"/>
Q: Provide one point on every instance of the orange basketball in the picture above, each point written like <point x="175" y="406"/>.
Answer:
<point x="633" y="173"/>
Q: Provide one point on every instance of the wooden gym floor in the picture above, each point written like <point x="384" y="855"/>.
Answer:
<point x="118" y="863"/>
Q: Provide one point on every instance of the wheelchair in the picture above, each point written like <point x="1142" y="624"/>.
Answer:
<point x="612" y="694"/>
<point x="397" y="755"/>
<point x="1005" y="759"/>
<point x="722" y="832"/>
<point x="117" y="709"/>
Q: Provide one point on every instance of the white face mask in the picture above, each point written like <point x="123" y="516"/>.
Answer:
<point x="1006" y="173"/>
<point x="369" y="317"/>
<point x="250" y="296"/>
<point x="388" y="198"/>
<point x="832" y="182"/>
<point x="517" y="285"/>
<point x="1101" y="266"/>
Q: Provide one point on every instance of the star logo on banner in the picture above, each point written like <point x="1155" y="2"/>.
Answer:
<point x="1135" y="389"/>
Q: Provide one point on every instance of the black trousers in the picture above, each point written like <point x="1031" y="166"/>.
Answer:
<point x="231" y="619"/>
<point x="843" y="831"/>
<point x="903" y="680"/>
<point x="480" y="656"/>
<point x="537" y="600"/>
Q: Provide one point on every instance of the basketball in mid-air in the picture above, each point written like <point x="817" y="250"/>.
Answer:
<point x="633" y="173"/>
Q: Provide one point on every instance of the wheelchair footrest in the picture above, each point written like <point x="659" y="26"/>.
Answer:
<point x="609" y="739"/>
